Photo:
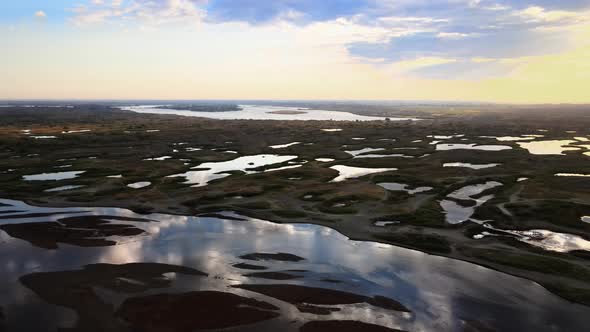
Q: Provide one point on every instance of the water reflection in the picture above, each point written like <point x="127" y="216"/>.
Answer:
<point x="282" y="146"/>
<point x="469" y="165"/>
<point x="440" y="293"/>
<point x="53" y="176"/>
<point x="446" y="147"/>
<point x="162" y="158"/>
<point x="445" y="136"/>
<point x="261" y="112"/>
<point x="349" y="172"/>
<point x="512" y="138"/>
<point x="394" y="186"/>
<point x="76" y="131"/>
<point x="572" y="175"/>
<point x="359" y="152"/>
<point x="216" y="170"/>
<point x="456" y="213"/>
<point x="385" y="223"/>
<point x="139" y="185"/>
<point x="545" y="239"/>
<point x="548" y="147"/>
<point x="63" y="188"/>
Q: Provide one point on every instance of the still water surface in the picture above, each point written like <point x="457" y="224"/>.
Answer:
<point x="261" y="112"/>
<point x="441" y="294"/>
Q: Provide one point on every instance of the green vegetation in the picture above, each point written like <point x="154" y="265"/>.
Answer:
<point x="289" y="213"/>
<point x="530" y="262"/>
<point x="121" y="142"/>
<point x="426" y="242"/>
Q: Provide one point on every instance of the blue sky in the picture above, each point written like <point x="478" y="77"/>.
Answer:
<point x="480" y="28"/>
<point x="408" y="39"/>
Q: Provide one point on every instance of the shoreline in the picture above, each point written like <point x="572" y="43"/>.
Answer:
<point x="131" y="144"/>
<point x="349" y="235"/>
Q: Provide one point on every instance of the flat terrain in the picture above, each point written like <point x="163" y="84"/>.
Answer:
<point x="105" y="142"/>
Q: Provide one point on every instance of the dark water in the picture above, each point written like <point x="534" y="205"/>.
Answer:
<point x="441" y="294"/>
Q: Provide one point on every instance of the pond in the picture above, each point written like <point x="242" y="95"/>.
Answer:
<point x="63" y="188"/>
<point x="216" y="170"/>
<point x="469" y="165"/>
<point x="457" y="213"/>
<point x="359" y="152"/>
<point x="394" y="186"/>
<point x="545" y="239"/>
<point x="512" y="138"/>
<point x="446" y="147"/>
<point x="324" y="160"/>
<point x="53" y="176"/>
<point x="349" y="172"/>
<point x="262" y="112"/>
<point x="572" y="175"/>
<point x="282" y="146"/>
<point x="162" y="158"/>
<point x="139" y="185"/>
<point x="331" y="130"/>
<point x="556" y="147"/>
<point x="76" y="131"/>
<point x="231" y="271"/>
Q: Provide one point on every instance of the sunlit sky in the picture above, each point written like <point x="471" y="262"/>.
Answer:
<point x="521" y="51"/>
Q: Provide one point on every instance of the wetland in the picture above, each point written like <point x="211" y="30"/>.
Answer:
<point x="414" y="220"/>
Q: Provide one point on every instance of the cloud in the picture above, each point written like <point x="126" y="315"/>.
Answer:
<point x="40" y="14"/>
<point x="433" y="49"/>
<point x="501" y="44"/>
<point x="409" y="66"/>
<point x="259" y="12"/>
<point x="452" y="35"/>
<point x="479" y="29"/>
<point x="536" y="14"/>
<point x="145" y="12"/>
<point x="450" y="39"/>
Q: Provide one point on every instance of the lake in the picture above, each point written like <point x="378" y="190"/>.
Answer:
<point x="261" y="112"/>
<point x="227" y="259"/>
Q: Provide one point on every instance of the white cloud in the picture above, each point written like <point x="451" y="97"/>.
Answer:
<point x="145" y="12"/>
<point x="40" y="14"/>
<point x="536" y="14"/>
<point x="407" y="66"/>
<point x="473" y="3"/>
<point x="496" y="7"/>
<point x="452" y="35"/>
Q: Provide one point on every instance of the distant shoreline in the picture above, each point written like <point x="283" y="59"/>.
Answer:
<point x="287" y="112"/>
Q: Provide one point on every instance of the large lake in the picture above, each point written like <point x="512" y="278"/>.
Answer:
<point x="260" y="112"/>
<point x="45" y="284"/>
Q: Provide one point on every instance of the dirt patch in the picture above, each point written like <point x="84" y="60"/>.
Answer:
<point x="193" y="311"/>
<point x="75" y="289"/>
<point x="246" y="266"/>
<point x="87" y="231"/>
<point x="298" y="295"/>
<point x="281" y="256"/>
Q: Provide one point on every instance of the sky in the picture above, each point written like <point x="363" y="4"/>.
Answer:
<point x="508" y="51"/>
